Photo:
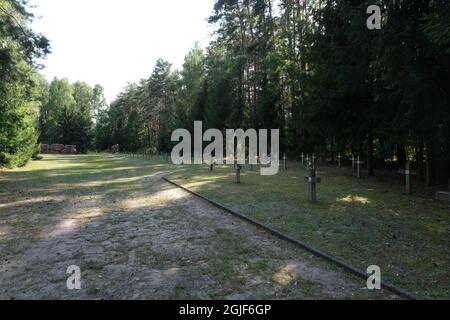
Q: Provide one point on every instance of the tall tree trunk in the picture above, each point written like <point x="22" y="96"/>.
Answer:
<point x="401" y="155"/>
<point x="431" y="165"/>
<point x="333" y="154"/>
<point x="370" y="165"/>
<point x="361" y="149"/>
<point x="420" y="161"/>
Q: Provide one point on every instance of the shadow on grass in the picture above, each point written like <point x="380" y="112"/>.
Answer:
<point x="33" y="199"/>
<point x="363" y="222"/>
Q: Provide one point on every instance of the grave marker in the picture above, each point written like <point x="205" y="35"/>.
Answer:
<point x="408" y="173"/>
<point x="313" y="161"/>
<point x="285" y="162"/>
<point x="339" y="157"/>
<point x="358" y="168"/>
<point x="238" y="173"/>
<point x="303" y="159"/>
<point x="251" y="164"/>
<point x="313" y="180"/>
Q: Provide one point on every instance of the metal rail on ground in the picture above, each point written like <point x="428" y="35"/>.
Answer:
<point x="321" y="254"/>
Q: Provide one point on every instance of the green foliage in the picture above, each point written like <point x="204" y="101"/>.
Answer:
<point x="436" y="25"/>
<point x="190" y="85"/>
<point x="143" y="117"/>
<point x="68" y="116"/>
<point x="21" y="89"/>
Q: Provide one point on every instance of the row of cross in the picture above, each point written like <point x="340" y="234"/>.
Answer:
<point x="312" y="178"/>
<point x="407" y="172"/>
<point x="310" y="160"/>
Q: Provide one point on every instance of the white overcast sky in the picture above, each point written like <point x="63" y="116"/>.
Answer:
<point x="112" y="42"/>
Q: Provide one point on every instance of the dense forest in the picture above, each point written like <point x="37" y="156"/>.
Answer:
<point x="311" y="68"/>
<point x="314" y="70"/>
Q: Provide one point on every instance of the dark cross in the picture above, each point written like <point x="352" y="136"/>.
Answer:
<point x="408" y="173"/>
<point x="359" y="163"/>
<point x="313" y="180"/>
<point x="285" y="162"/>
<point x="339" y="157"/>
<point x="238" y="173"/>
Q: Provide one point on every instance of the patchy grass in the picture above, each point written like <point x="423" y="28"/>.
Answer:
<point x="363" y="222"/>
<point x="136" y="237"/>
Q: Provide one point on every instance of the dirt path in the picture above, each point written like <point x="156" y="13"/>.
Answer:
<point x="154" y="242"/>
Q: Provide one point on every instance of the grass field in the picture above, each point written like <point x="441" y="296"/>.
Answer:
<point x="363" y="222"/>
<point x="135" y="236"/>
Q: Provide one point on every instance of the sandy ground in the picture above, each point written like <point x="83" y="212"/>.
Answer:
<point x="159" y="243"/>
